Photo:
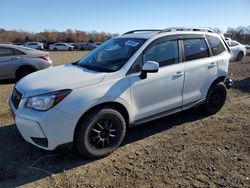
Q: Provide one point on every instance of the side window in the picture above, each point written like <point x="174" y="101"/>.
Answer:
<point x="232" y="43"/>
<point x="195" y="49"/>
<point x="137" y="66"/>
<point x="215" y="45"/>
<point x="17" y="52"/>
<point x="165" y="53"/>
<point x="6" y="52"/>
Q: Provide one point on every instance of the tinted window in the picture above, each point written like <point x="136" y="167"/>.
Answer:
<point x="195" y="49"/>
<point x="17" y="52"/>
<point x="165" y="53"/>
<point x="233" y="43"/>
<point x="215" y="45"/>
<point x="6" y="52"/>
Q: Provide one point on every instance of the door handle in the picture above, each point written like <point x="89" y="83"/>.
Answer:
<point x="211" y="65"/>
<point x="178" y="74"/>
<point x="14" y="58"/>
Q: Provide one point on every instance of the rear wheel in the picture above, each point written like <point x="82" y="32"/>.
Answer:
<point x="100" y="133"/>
<point x="55" y="49"/>
<point x="216" y="98"/>
<point x="24" y="71"/>
<point x="240" y="56"/>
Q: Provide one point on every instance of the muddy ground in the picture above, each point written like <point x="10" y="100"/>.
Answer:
<point x="187" y="149"/>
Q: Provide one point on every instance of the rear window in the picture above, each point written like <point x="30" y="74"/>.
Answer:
<point x="233" y="43"/>
<point x="215" y="45"/>
<point x="195" y="49"/>
<point x="6" y="52"/>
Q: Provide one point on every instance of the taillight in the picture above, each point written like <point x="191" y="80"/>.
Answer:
<point x="46" y="57"/>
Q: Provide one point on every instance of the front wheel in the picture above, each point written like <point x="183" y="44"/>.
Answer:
<point x="100" y="133"/>
<point x="216" y="98"/>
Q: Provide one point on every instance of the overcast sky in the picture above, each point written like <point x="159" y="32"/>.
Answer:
<point x="118" y="16"/>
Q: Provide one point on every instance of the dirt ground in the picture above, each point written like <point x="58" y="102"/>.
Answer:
<point x="187" y="149"/>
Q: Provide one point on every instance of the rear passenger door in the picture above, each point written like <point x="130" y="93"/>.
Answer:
<point x="8" y="60"/>
<point x="200" y="70"/>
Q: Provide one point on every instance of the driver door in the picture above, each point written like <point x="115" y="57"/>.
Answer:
<point x="160" y="93"/>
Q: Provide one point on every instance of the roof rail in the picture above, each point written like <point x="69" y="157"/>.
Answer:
<point x="141" y="30"/>
<point x="187" y="29"/>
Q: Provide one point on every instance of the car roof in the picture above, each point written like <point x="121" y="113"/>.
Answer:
<point x="142" y="35"/>
<point x="148" y="33"/>
<point x="23" y="49"/>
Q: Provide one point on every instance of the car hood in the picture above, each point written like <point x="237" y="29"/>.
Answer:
<point x="58" y="78"/>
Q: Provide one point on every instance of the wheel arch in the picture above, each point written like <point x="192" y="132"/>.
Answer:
<point x="25" y="66"/>
<point x="217" y="80"/>
<point x="116" y="105"/>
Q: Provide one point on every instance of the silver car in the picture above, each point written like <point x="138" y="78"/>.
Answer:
<point x="34" y="45"/>
<point x="17" y="61"/>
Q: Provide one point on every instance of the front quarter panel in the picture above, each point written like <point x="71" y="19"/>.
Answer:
<point x="82" y="99"/>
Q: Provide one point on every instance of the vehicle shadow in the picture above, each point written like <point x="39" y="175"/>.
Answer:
<point x="242" y="85"/>
<point x="22" y="163"/>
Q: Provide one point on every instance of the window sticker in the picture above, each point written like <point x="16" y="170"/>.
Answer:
<point x="131" y="43"/>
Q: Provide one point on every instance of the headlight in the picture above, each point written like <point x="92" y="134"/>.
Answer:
<point x="46" y="101"/>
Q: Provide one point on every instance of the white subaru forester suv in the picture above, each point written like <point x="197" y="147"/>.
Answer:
<point x="128" y="80"/>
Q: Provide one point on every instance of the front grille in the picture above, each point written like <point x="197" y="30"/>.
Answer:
<point x="16" y="98"/>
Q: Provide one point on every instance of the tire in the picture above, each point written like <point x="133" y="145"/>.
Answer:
<point x="100" y="133"/>
<point x="240" y="56"/>
<point x="24" y="71"/>
<point x="82" y="49"/>
<point x="55" y="49"/>
<point x="216" y="98"/>
<point x="69" y="49"/>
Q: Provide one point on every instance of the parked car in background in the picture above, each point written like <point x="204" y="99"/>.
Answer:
<point x="134" y="78"/>
<point x="238" y="50"/>
<point x="98" y="43"/>
<point x="47" y="44"/>
<point x="61" y="46"/>
<point x="74" y="45"/>
<point x="87" y="46"/>
<point x="247" y="46"/>
<point x="18" y="61"/>
<point x="17" y="43"/>
<point x="34" y="45"/>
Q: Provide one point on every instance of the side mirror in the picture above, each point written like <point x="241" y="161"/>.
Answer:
<point x="149" y="67"/>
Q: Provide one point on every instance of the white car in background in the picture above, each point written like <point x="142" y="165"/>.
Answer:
<point x="238" y="50"/>
<point x="61" y="46"/>
<point x="34" y="45"/>
<point x="18" y="61"/>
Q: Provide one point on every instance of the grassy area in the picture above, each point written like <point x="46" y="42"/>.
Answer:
<point x="64" y="57"/>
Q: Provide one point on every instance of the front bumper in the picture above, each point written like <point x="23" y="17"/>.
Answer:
<point x="46" y="130"/>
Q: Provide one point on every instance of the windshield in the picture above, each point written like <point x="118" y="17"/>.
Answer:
<point x="111" y="55"/>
